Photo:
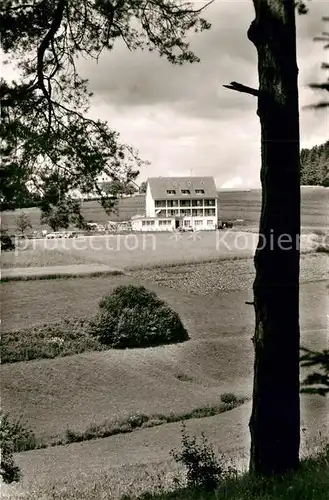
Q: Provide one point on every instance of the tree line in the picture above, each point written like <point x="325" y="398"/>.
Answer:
<point x="314" y="165"/>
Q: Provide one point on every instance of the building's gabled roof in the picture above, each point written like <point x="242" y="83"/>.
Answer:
<point x="160" y="185"/>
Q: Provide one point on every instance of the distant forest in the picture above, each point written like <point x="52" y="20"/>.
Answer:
<point x="315" y="166"/>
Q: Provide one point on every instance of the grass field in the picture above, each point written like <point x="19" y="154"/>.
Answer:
<point x="106" y="386"/>
<point x="233" y="205"/>
<point x="41" y="257"/>
<point x="113" y="384"/>
<point x="135" y="251"/>
<point x="130" y="464"/>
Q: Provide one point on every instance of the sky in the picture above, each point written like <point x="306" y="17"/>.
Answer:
<point x="182" y="119"/>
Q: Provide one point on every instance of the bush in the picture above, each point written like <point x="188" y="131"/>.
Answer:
<point x="229" y="398"/>
<point x="135" y="317"/>
<point x="46" y="341"/>
<point x="14" y="437"/>
<point x="317" y="382"/>
<point x="130" y="296"/>
<point x="17" y="434"/>
<point x="9" y="472"/>
<point x="204" y="469"/>
<point x="6" y="241"/>
<point x="322" y="249"/>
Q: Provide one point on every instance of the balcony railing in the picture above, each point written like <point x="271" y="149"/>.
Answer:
<point x="197" y="212"/>
<point x="175" y="204"/>
<point x="185" y="212"/>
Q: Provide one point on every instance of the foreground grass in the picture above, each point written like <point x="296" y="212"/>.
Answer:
<point x="311" y="482"/>
<point x="166" y="481"/>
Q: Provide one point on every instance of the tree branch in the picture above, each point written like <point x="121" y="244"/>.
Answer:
<point x="319" y="105"/>
<point x="58" y="16"/>
<point x="321" y="86"/>
<point x="239" y="87"/>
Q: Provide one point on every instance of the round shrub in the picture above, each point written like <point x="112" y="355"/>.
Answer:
<point x="229" y="398"/>
<point x="135" y="317"/>
<point x="129" y="296"/>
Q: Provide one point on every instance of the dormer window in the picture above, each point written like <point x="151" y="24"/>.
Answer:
<point x="185" y="191"/>
<point x="171" y="191"/>
<point x="199" y="191"/>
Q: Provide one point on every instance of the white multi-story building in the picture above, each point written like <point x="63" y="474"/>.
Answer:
<point x="174" y="202"/>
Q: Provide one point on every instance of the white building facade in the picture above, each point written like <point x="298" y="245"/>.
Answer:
<point x="190" y="203"/>
<point x="145" y="224"/>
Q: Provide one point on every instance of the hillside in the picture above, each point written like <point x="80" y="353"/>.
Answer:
<point x="135" y="462"/>
<point x="315" y="166"/>
<point x="232" y="205"/>
<point x="99" y="386"/>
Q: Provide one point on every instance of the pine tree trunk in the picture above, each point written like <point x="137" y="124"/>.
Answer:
<point x="275" y="419"/>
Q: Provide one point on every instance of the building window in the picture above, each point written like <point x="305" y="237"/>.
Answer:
<point x="185" y="212"/>
<point x="197" y="203"/>
<point x="199" y="191"/>
<point x="164" y="222"/>
<point x="160" y="203"/>
<point x="172" y="213"/>
<point x="185" y="191"/>
<point x="143" y="222"/>
<point x="197" y="213"/>
<point x="187" y="223"/>
<point x="171" y="191"/>
<point x="185" y="203"/>
<point x="209" y="203"/>
<point x="210" y="222"/>
<point x="172" y="203"/>
<point x="198" y="222"/>
<point x="209" y="212"/>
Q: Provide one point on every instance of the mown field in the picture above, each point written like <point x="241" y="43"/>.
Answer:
<point x="233" y="205"/>
<point x="102" y="385"/>
<point x="74" y="392"/>
<point x="41" y="257"/>
<point x="132" y="463"/>
<point x="36" y="302"/>
<point x="134" y="250"/>
<point x="137" y="251"/>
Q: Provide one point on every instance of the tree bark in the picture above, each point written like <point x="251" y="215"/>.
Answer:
<point x="275" y="419"/>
